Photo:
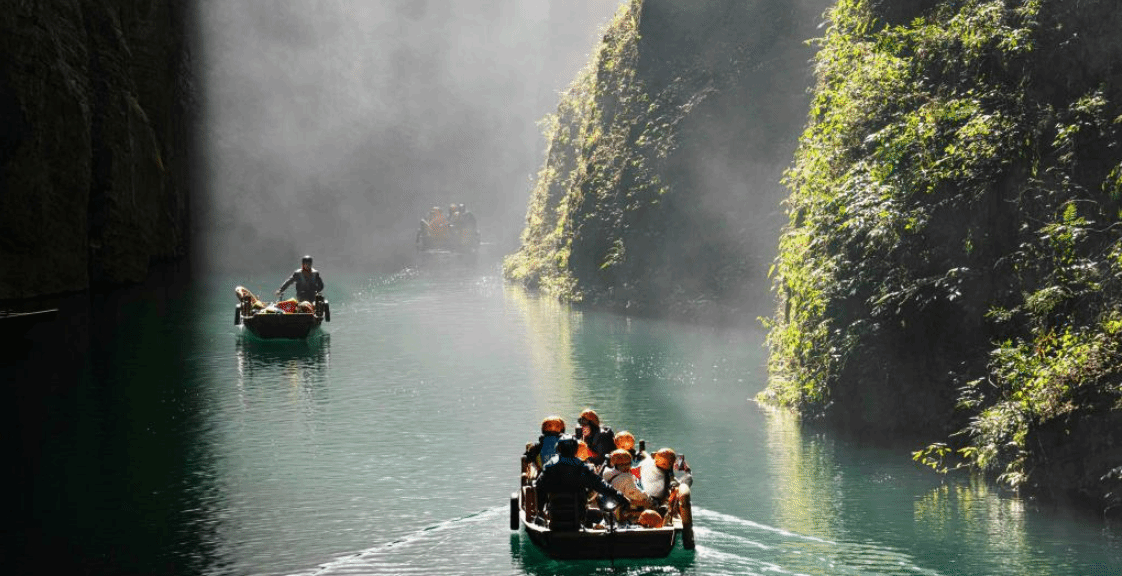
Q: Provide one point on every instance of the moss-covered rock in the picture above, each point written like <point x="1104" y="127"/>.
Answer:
<point x="951" y="266"/>
<point x="659" y="193"/>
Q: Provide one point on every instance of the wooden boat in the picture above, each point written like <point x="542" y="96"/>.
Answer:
<point x="562" y="537"/>
<point x="19" y="323"/>
<point x="455" y="232"/>
<point x="265" y="320"/>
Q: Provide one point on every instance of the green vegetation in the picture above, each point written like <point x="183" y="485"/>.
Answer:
<point x="597" y="198"/>
<point x="643" y="203"/>
<point x="952" y="263"/>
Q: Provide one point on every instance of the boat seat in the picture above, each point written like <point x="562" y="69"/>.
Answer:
<point x="565" y="510"/>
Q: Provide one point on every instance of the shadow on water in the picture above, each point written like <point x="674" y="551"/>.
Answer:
<point x="103" y="430"/>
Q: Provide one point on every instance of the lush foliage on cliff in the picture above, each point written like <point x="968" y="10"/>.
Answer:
<point x="952" y="262"/>
<point x="642" y="203"/>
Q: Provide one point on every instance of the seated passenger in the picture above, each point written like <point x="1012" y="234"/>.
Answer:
<point x="618" y="474"/>
<point x="625" y="440"/>
<point x="564" y="473"/>
<point x="244" y="295"/>
<point x="552" y="429"/>
<point x="583" y="453"/>
<point x="600" y="439"/>
<point x="650" y="519"/>
<point x="656" y="475"/>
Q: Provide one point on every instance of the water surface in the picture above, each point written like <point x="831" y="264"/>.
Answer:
<point x="156" y="437"/>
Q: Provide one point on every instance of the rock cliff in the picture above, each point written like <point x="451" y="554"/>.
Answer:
<point x="951" y="269"/>
<point x="660" y="191"/>
<point x="96" y="102"/>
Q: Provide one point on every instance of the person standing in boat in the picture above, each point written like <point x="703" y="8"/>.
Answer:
<point x="307" y="280"/>
<point x="600" y="439"/>
<point x="564" y="472"/>
<point x="552" y="429"/>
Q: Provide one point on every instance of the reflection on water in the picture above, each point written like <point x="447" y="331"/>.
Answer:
<point x="801" y="470"/>
<point x="297" y="359"/>
<point x="296" y="369"/>
<point x="551" y="326"/>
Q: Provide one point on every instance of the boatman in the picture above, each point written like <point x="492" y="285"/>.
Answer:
<point x="566" y="473"/>
<point x="307" y="281"/>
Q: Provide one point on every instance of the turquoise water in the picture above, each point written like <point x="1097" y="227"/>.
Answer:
<point x="156" y="437"/>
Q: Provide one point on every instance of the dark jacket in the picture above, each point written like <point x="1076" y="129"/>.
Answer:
<point x="601" y="442"/>
<point x="568" y="474"/>
<point x="307" y="285"/>
<point x="546" y="447"/>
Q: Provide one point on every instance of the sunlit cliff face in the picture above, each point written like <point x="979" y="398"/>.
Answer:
<point x="331" y="126"/>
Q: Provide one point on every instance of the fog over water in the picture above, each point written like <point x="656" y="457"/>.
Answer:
<point x="331" y="126"/>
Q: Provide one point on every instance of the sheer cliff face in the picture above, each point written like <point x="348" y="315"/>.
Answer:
<point x="94" y="101"/>
<point x="660" y="193"/>
<point x="951" y="266"/>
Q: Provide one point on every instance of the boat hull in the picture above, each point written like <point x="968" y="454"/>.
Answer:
<point x="602" y="544"/>
<point x="290" y="326"/>
<point x="597" y="544"/>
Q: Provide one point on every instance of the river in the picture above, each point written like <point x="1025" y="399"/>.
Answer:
<point x="153" y="436"/>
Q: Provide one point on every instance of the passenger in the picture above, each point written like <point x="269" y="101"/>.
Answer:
<point x="600" y="439"/>
<point x="656" y="475"/>
<point x="626" y="441"/>
<point x="618" y="474"/>
<point x="552" y="429"/>
<point x="244" y="295"/>
<point x="583" y="453"/>
<point x="650" y="519"/>
<point x="437" y="223"/>
<point x="436" y="218"/>
<point x="466" y="219"/>
<point x="565" y="473"/>
<point x="307" y="280"/>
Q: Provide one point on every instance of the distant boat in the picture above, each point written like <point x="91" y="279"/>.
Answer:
<point x="454" y="232"/>
<point x="560" y="536"/>
<point x="280" y="319"/>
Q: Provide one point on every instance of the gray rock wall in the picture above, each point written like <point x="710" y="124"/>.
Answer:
<point x="95" y="105"/>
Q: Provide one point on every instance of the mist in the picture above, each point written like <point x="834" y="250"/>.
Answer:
<point x="331" y="126"/>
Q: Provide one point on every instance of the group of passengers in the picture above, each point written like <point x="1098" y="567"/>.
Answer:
<point x="457" y="217"/>
<point x="597" y="459"/>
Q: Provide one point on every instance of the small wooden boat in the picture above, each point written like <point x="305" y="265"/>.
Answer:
<point x="272" y="320"/>
<point x="560" y="535"/>
<point x="19" y="323"/>
<point x="455" y="232"/>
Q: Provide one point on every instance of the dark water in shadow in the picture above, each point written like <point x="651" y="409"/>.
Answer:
<point x="152" y="436"/>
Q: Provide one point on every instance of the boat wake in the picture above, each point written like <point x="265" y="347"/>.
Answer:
<point x="481" y="543"/>
<point x="731" y="545"/>
<point x="436" y="549"/>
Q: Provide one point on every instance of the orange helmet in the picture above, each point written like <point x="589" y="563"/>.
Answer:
<point x="625" y="440"/>
<point x="665" y="458"/>
<point x="619" y="457"/>
<point x="589" y="416"/>
<point x="650" y="519"/>
<point x="553" y="424"/>
<point x="582" y="450"/>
